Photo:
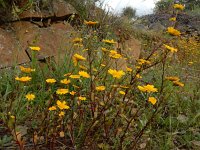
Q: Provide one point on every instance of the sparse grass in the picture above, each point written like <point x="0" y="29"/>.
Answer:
<point x="104" y="108"/>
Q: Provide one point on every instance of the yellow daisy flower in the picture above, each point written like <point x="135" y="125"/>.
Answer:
<point x="26" y="70"/>
<point x="30" y="97"/>
<point x="23" y="79"/>
<point x="35" y="48"/>
<point x="84" y="74"/>
<point x="173" y="31"/>
<point x="82" y="98"/>
<point x="51" y="80"/>
<point x="152" y="100"/>
<point x="100" y="88"/>
<point x="65" y="81"/>
<point x="52" y="108"/>
<point x="148" y="88"/>
<point x="62" y="91"/>
<point x="122" y="92"/>
<point x="62" y="105"/>
<point x="179" y="6"/>
<point x="116" y="74"/>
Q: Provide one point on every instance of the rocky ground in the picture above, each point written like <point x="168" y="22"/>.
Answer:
<point x="187" y="24"/>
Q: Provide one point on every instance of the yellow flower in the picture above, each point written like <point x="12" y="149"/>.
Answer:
<point x="115" y="73"/>
<point x="100" y="88"/>
<point x="84" y="74"/>
<point x="114" y="54"/>
<point x="65" y="81"/>
<point x="13" y="117"/>
<point x="26" y="70"/>
<point x="177" y="83"/>
<point x="173" y="31"/>
<point x="77" y="58"/>
<point x="138" y="76"/>
<point x="190" y="63"/>
<point x="52" y="108"/>
<point x="122" y="92"/>
<point x="62" y="105"/>
<point x="179" y="6"/>
<point x="72" y="93"/>
<point x="74" y="76"/>
<point x="90" y="23"/>
<point x="172" y="49"/>
<point x="50" y="80"/>
<point x="172" y="78"/>
<point x="137" y="67"/>
<point x="62" y="134"/>
<point x="148" y="88"/>
<point x="152" y="100"/>
<point x="172" y="19"/>
<point x="104" y="49"/>
<point x="82" y="98"/>
<point x="109" y="41"/>
<point x="129" y="69"/>
<point x="77" y="40"/>
<point x="30" y="97"/>
<point x="23" y="79"/>
<point x="35" y="48"/>
<point x="62" y="91"/>
<point x="143" y="61"/>
<point x="61" y="114"/>
<point x="103" y="65"/>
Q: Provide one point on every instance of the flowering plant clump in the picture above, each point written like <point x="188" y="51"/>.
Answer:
<point x="97" y="96"/>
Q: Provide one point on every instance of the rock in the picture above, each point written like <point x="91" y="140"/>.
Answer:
<point x="157" y="27"/>
<point x="140" y="26"/>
